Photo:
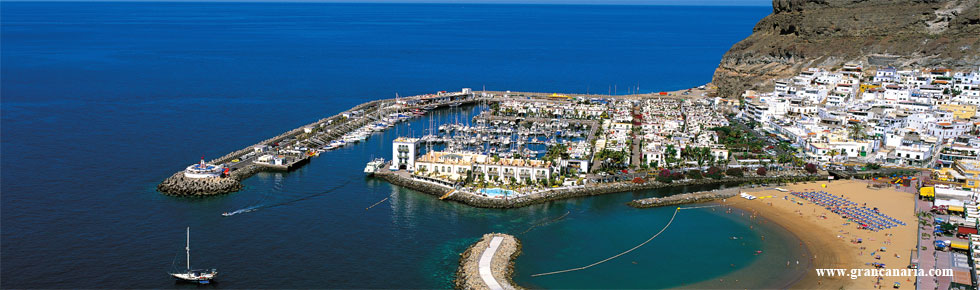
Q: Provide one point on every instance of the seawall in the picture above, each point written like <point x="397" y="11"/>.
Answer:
<point x="569" y="192"/>
<point x="501" y="265"/>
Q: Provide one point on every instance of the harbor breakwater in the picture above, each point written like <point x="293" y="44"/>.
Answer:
<point x="501" y="264"/>
<point x="570" y="192"/>
<point x="685" y="198"/>
<point x="334" y="127"/>
<point x="178" y="184"/>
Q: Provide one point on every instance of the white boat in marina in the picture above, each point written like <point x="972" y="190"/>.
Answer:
<point x="373" y="166"/>
<point x="351" y="138"/>
<point x="336" y="144"/>
<point x="361" y="136"/>
<point x="195" y="276"/>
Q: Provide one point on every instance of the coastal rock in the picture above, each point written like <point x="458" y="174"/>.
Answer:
<point x="178" y="184"/>
<point x="828" y="33"/>
<point x="686" y="198"/>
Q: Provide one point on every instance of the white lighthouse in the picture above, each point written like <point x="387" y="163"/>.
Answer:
<point x="203" y="170"/>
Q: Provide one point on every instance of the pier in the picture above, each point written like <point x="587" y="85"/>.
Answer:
<point x="296" y="147"/>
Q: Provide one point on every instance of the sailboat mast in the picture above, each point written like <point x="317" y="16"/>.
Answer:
<point x="188" y="248"/>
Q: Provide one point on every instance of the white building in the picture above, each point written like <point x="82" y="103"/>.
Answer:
<point x="203" y="170"/>
<point x="455" y="167"/>
<point x="403" y="152"/>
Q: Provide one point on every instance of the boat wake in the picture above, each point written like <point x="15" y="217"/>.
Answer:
<point x="258" y="207"/>
<point x="244" y="210"/>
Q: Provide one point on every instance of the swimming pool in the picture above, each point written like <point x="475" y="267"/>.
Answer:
<point x="495" y="192"/>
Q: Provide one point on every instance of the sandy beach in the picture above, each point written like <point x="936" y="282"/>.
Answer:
<point x="829" y="237"/>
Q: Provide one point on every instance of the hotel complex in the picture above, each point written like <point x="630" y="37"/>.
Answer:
<point x="459" y="166"/>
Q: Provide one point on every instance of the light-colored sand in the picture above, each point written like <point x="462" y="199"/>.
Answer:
<point x="829" y="240"/>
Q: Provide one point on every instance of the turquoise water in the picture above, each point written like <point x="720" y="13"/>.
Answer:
<point x="102" y="101"/>
<point x="695" y="251"/>
<point x="495" y="192"/>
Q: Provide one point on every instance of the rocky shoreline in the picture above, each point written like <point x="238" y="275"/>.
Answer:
<point x="502" y="264"/>
<point x="829" y="33"/>
<point x="572" y="192"/>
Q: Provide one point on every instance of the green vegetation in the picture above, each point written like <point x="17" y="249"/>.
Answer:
<point x="556" y="152"/>
<point x="738" y="140"/>
<point x="734" y="172"/>
<point x="856" y="131"/>
<point x="664" y="176"/>
<point x="694" y="174"/>
<point x="611" y="157"/>
<point x="700" y="155"/>
<point x="670" y="158"/>
<point x="715" y="173"/>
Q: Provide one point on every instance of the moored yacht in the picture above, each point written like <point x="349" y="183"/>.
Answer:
<point x="199" y="276"/>
<point x="373" y="166"/>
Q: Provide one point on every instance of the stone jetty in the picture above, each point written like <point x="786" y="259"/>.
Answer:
<point x="178" y="184"/>
<point x="686" y="198"/>
<point x="501" y="263"/>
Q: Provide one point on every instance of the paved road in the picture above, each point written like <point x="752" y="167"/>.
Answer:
<point x="485" y="272"/>
<point x="636" y="156"/>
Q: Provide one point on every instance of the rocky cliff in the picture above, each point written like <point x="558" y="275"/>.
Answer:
<point x="827" y="33"/>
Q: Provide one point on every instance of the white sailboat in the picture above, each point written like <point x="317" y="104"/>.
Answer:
<point x="195" y="276"/>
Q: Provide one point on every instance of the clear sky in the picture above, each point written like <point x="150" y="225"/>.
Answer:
<point x="594" y="2"/>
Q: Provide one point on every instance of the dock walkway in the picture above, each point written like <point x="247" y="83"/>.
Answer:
<point x="485" y="272"/>
<point x="488" y="263"/>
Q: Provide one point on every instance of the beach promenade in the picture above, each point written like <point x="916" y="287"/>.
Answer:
<point x="832" y="240"/>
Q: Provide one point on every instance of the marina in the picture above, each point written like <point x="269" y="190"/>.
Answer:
<point x="341" y="143"/>
<point x="293" y="149"/>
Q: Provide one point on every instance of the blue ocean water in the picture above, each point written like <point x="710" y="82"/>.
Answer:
<point x="101" y="101"/>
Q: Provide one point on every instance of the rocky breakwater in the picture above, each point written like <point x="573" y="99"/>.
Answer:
<point x="686" y="198"/>
<point x="178" y="184"/>
<point x="553" y="194"/>
<point x="828" y="33"/>
<point x="501" y="265"/>
<point x="405" y="181"/>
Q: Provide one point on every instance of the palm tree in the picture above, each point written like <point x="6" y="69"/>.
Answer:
<point x="857" y="131"/>
<point x="701" y="155"/>
<point x="687" y="153"/>
<point x="832" y="154"/>
<point x="669" y="155"/>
